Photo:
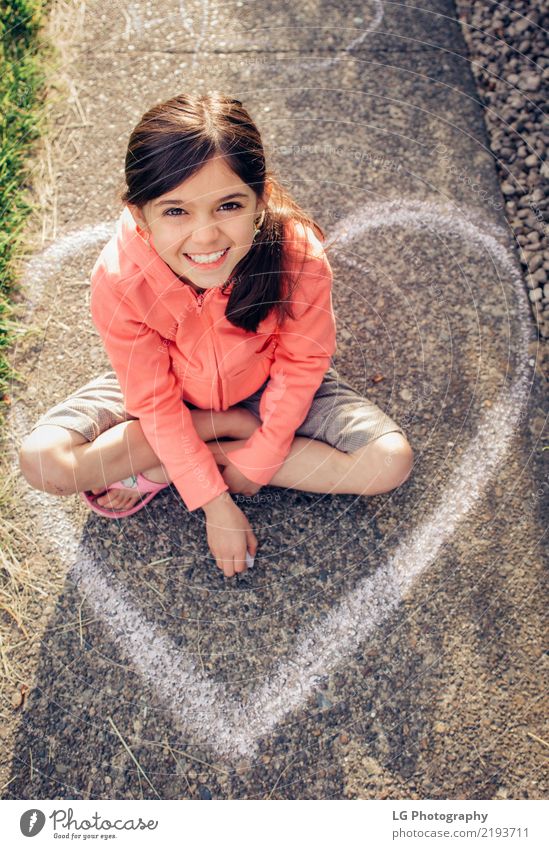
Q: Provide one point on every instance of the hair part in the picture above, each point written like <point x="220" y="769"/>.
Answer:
<point x="172" y="141"/>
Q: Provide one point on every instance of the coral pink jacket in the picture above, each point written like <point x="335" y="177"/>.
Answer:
<point x="168" y="344"/>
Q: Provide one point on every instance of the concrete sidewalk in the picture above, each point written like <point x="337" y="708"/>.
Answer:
<point x="387" y="647"/>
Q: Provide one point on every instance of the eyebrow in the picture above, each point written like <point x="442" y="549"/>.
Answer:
<point x="186" y="203"/>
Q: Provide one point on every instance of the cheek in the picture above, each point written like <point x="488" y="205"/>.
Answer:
<point x="243" y="237"/>
<point x="168" y="238"/>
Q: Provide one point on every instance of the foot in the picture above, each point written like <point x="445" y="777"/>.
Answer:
<point x="124" y="499"/>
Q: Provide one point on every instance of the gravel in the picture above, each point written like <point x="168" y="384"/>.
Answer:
<point x="509" y="51"/>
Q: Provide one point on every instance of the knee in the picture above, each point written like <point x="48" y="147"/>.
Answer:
<point x="395" y="458"/>
<point x="45" y="466"/>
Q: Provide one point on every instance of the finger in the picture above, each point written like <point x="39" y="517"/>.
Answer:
<point x="233" y="570"/>
<point x="227" y="567"/>
<point x="252" y="543"/>
<point x="240" y="565"/>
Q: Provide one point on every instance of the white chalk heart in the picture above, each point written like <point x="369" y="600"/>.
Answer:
<point x="203" y="708"/>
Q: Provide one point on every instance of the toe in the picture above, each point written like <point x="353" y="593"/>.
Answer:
<point x="117" y="499"/>
<point x="109" y="499"/>
<point x="123" y="500"/>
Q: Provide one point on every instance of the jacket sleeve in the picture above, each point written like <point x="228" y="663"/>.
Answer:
<point x="302" y="356"/>
<point x="140" y="357"/>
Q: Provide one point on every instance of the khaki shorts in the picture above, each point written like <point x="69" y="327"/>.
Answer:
<point x="339" y="414"/>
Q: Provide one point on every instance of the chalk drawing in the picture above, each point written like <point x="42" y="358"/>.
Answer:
<point x="136" y="24"/>
<point x="43" y="266"/>
<point x="209" y="18"/>
<point x="204" y="709"/>
<point x="303" y="63"/>
<point x="378" y="17"/>
<point x="200" y="36"/>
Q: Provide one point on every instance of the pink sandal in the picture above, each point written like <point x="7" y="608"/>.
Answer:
<point x="137" y="482"/>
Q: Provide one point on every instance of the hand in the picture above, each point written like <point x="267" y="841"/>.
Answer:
<point x="237" y="482"/>
<point x="229" y="534"/>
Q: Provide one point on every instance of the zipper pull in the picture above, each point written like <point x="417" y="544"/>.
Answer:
<point x="199" y="302"/>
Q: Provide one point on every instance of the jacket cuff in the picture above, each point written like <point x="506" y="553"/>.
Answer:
<point x="257" y="459"/>
<point x="199" y="485"/>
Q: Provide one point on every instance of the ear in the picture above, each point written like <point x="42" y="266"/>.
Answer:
<point x="263" y="203"/>
<point x="137" y="216"/>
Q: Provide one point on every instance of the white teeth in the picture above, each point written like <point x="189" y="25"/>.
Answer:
<point x="207" y="257"/>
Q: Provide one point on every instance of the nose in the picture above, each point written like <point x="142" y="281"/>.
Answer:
<point x="205" y="234"/>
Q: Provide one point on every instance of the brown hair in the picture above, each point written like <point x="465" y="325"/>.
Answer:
<point x="172" y="141"/>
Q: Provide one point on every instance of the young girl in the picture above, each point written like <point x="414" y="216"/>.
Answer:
<point x="213" y="301"/>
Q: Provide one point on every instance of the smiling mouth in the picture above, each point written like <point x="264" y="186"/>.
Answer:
<point x="209" y="260"/>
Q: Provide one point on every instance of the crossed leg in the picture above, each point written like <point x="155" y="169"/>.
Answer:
<point x="314" y="466"/>
<point x="62" y="462"/>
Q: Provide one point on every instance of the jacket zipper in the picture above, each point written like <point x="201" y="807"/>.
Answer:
<point x="200" y="297"/>
<point x="219" y="383"/>
<point x="270" y="339"/>
<point x="199" y="301"/>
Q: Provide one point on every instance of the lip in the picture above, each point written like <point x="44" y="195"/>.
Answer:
<point x="206" y="266"/>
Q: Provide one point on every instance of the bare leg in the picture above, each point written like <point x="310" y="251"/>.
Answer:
<point x="209" y="425"/>
<point x="76" y="465"/>
<point x="314" y="466"/>
<point x="61" y="461"/>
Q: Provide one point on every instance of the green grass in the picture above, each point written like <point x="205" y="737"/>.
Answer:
<point x="22" y="93"/>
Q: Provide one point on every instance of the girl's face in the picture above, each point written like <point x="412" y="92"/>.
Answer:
<point x="211" y="213"/>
